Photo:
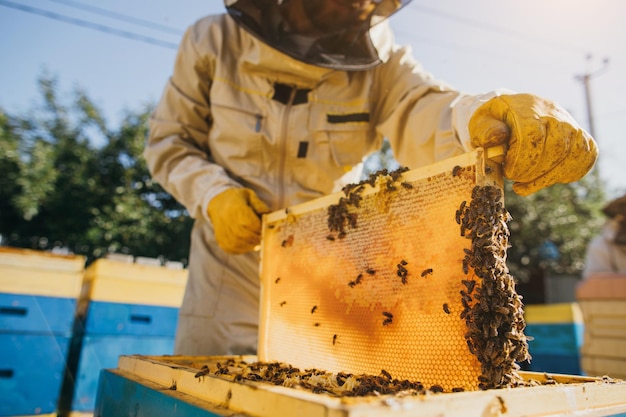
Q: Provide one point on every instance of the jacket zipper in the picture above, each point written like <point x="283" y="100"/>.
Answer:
<point x="283" y="148"/>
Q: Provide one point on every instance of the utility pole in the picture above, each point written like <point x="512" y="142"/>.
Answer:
<point x="585" y="79"/>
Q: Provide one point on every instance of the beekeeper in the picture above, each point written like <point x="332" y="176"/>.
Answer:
<point x="606" y="253"/>
<point x="272" y="102"/>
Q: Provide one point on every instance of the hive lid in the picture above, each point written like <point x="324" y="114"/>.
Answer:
<point x="387" y="295"/>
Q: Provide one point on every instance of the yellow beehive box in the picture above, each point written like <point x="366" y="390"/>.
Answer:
<point x="603" y="304"/>
<point x="553" y="313"/>
<point x="25" y="271"/>
<point x="131" y="283"/>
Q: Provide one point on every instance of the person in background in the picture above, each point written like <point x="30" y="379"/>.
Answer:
<point x="606" y="253"/>
<point x="272" y="103"/>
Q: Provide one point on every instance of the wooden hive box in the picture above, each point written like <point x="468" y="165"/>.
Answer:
<point x="603" y="304"/>
<point x="385" y="290"/>
<point x="161" y="386"/>
<point x="134" y="283"/>
<point x="32" y="272"/>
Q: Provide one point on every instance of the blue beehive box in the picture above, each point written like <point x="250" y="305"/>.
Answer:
<point x="38" y="295"/>
<point x="557" y="337"/>
<point x="125" y="308"/>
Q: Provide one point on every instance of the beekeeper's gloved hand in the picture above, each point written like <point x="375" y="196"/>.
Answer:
<point x="545" y="144"/>
<point x="235" y="214"/>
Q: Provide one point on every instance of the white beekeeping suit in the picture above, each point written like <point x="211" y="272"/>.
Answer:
<point x="273" y="102"/>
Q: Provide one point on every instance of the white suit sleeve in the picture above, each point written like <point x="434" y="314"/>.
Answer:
<point x="176" y="151"/>
<point x="424" y="119"/>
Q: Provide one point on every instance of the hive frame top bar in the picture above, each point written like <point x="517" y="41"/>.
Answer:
<point x="494" y="154"/>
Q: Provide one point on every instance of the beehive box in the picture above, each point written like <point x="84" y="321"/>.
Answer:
<point x="384" y="276"/>
<point x="195" y="386"/>
<point x="557" y="337"/>
<point x="32" y="272"/>
<point x="124" y="308"/>
<point x="38" y="297"/>
<point x="603" y="304"/>
<point x="131" y="283"/>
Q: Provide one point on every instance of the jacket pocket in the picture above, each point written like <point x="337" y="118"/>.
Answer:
<point x="347" y="131"/>
<point x="236" y="139"/>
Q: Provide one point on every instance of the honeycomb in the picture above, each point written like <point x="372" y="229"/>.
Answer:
<point x="377" y="279"/>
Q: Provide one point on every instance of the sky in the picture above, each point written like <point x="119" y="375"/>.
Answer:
<point x="121" y="52"/>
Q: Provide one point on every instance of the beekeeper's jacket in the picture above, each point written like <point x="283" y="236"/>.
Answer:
<point x="236" y="112"/>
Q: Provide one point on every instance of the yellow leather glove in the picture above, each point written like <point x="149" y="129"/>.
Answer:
<point x="235" y="214"/>
<point x="545" y="144"/>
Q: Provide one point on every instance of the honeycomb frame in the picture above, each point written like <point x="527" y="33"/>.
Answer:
<point x="371" y="279"/>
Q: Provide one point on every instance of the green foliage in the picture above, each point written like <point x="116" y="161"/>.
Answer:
<point x="551" y="228"/>
<point x="62" y="191"/>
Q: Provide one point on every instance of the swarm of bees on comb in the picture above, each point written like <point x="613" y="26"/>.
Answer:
<point x="341" y="384"/>
<point x="492" y="310"/>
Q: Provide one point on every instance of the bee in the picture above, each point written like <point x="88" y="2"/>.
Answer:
<point x="359" y="278"/>
<point x="427" y="272"/>
<point x="370" y="271"/>
<point x="283" y="303"/>
<point x="386" y="374"/>
<point x="287" y="242"/>
<point x="330" y="237"/>
<point x="313" y="309"/>
<point x="203" y="371"/>
<point x="402" y="273"/>
<point x="316" y="325"/>
<point x="502" y="310"/>
<point x="221" y="371"/>
<point x="341" y="378"/>
<point x="456" y="171"/>
<point x="466" y="296"/>
<point x="406" y="185"/>
<point x="446" y="309"/>
<point x="436" y="388"/>
<point x="403" y="262"/>
<point x="470" y="284"/>
<point x="334" y="339"/>
<point x="277" y="280"/>
<point x="388" y="318"/>
<point x="465" y="266"/>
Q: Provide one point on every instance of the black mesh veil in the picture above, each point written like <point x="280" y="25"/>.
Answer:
<point x="346" y="45"/>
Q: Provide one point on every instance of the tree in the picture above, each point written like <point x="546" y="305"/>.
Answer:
<point x="62" y="191"/>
